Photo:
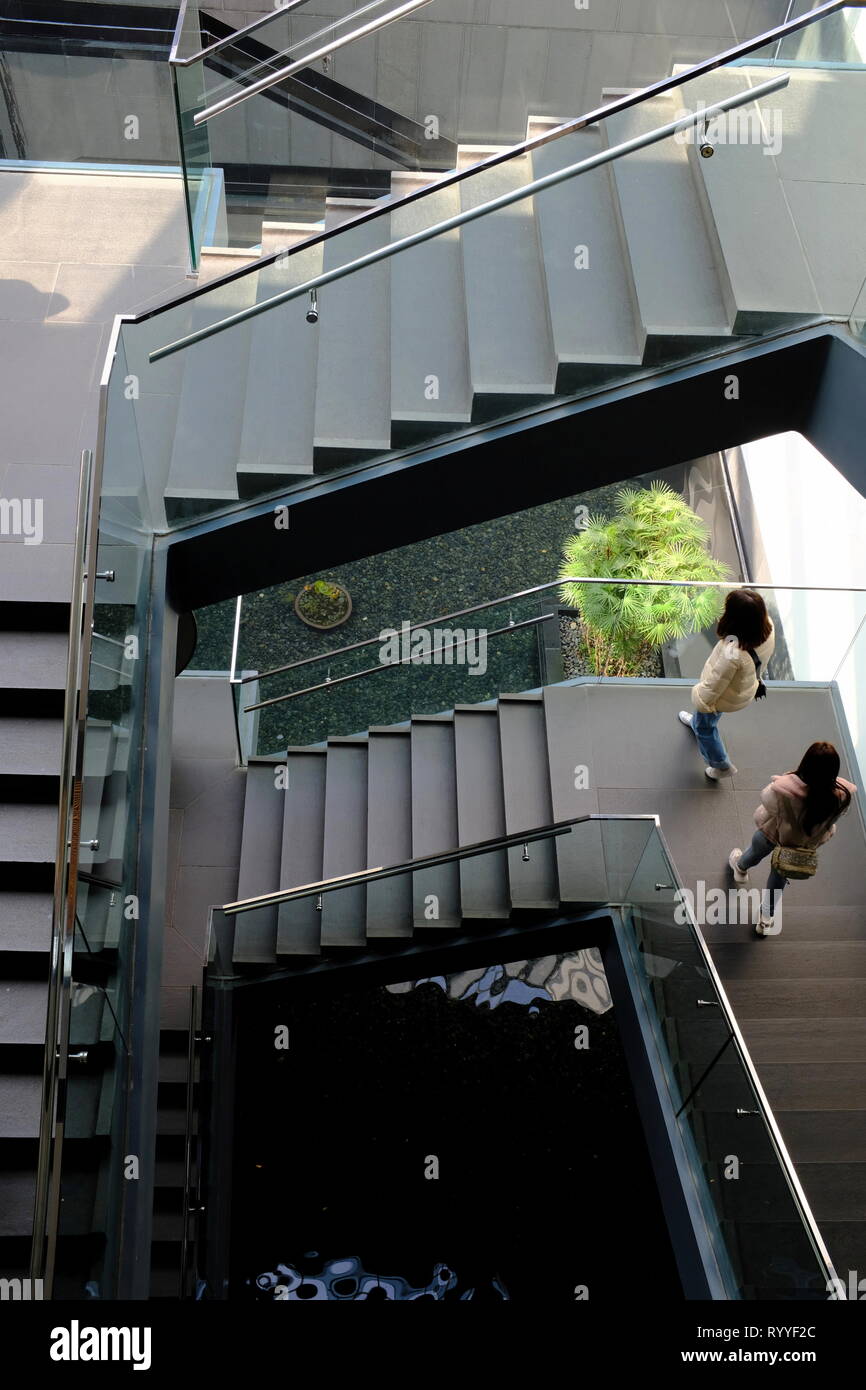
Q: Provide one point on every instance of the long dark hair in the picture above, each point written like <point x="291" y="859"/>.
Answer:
<point x="826" y="798"/>
<point x="745" y="617"/>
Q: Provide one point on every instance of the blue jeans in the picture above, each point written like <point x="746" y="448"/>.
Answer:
<point x="758" y="850"/>
<point x="706" y="731"/>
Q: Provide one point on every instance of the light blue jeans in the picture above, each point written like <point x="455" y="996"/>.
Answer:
<point x="758" y="850"/>
<point x="706" y="730"/>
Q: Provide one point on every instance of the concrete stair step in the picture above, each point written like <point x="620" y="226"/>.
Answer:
<point x="812" y="1086"/>
<point x="217" y="261"/>
<point x="167" y="1225"/>
<point x="169" y="1173"/>
<point x="20" y="1100"/>
<point x="32" y="660"/>
<point x="303" y="827"/>
<point x="344" y="914"/>
<point x="791" y="960"/>
<point x="435" y="891"/>
<point x="510" y="339"/>
<point x="834" y="1191"/>
<point x="211" y="409"/>
<point x="164" y="1281"/>
<point x="783" y="998"/>
<point x="278" y="236"/>
<point x="30" y="748"/>
<point x="430" y="377"/>
<point x="28" y="834"/>
<point x="746" y="203"/>
<point x="22" y="1012"/>
<point x="26" y="922"/>
<point x="826" y="1136"/>
<point x="353" y="395"/>
<point x="17" y="1195"/>
<point x="389" y="832"/>
<point x="821" y="924"/>
<point x="579" y="855"/>
<point x="170" y="1119"/>
<point x="480" y="812"/>
<point x="698" y="1035"/>
<point x="173" y="1066"/>
<point x="526" y="789"/>
<point x="678" y="280"/>
<point x="256" y="931"/>
<point x="279" y="405"/>
<point x="593" y="305"/>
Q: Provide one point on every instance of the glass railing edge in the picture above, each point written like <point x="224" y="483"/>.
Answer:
<point x="785" y="1162"/>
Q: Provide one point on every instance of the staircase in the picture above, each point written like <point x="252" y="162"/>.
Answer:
<point x="170" y="1164"/>
<point x="404" y="791"/>
<point x="507" y="321"/>
<point x="507" y="766"/>
<point x="32" y="684"/>
<point x="654" y="257"/>
<point x="33" y="643"/>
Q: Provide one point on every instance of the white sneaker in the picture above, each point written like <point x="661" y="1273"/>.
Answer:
<point x="740" y="875"/>
<point x="685" y="718"/>
<point x="716" y="774"/>
<point x="766" y="926"/>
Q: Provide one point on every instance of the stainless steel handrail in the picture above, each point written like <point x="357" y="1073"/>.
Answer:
<point x="620" y="581"/>
<point x="202" y="117"/>
<point x="46" y="1206"/>
<point x="667" y="84"/>
<point x="267" y="64"/>
<point x="461" y="219"/>
<point x="47" y="1195"/>
<point x="387" y="665"/>
<point x="426" y="861"/>
<point x="229" y="39"/>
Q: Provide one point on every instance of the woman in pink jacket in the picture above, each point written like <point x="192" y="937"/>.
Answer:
<point x="798" y="810"/>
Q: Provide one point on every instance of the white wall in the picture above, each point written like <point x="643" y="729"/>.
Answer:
<point x="813" y="528"/>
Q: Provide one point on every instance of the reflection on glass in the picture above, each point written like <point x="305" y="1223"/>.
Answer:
<point x="408" y="1142"/>
<point x="346" y="1280"/>
<point x="575" y="975"/>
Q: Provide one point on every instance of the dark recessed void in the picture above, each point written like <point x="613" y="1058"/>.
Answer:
<point x="544" y="1190"/>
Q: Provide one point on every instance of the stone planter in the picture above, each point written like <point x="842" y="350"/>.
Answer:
<point x="343" y="602"/>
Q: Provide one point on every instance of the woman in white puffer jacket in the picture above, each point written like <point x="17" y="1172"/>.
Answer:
<point x="731" y="674"/>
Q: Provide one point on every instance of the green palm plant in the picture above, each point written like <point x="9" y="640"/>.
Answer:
<point x="653" y="534"/>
